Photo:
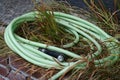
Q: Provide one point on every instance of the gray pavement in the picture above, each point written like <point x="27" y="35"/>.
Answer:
<point x="13" y="8"/>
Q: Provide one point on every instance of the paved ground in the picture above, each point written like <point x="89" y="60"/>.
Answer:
<point x="9" y="69"/>
<point x="12" y="8"/>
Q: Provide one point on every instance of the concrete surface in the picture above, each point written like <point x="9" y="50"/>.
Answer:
<point x="13" y="8"/>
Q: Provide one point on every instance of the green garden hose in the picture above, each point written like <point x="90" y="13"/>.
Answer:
<point x="79" y="27"/>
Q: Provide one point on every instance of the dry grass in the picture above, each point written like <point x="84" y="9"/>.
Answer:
<point x="45" y="30"/>
<point x="104" y="18"/>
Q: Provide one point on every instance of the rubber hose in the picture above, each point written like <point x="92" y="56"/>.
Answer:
<point x="78" y="27"/>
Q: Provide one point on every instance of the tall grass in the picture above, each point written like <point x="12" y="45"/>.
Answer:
<point x="104" y="17"/>
<point x="45" y="29"/>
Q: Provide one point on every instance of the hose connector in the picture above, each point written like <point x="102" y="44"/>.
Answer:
<point x="59" y="56"/>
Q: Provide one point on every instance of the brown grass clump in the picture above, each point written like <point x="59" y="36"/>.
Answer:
<point x="107" y="20"/>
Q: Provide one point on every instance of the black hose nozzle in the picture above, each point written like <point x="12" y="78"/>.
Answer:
<point x="59" y="56"/>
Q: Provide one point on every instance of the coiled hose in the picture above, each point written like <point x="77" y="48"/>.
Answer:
<point x="29" y="50"/>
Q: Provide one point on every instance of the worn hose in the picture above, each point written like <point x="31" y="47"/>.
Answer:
<point x="79" y="27"/>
